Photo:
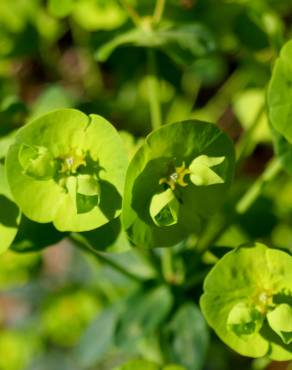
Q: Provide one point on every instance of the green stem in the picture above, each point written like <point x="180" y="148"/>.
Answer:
<point x="135" y="17"/>
<point x="167" y="265"/>
<point x="272" y="169"/>
<point x="153" y="87"/>
<point x="104" y="258"/>
<point x="158" y="11"/>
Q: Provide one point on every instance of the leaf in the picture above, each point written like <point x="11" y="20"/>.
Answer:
<point x="79" y="145"/>
<point x="159" y="163"/>
<point x="182" y="43"/>
<point x="280" y="93"/>
<point x="51" y="98"/>
<point x="164" y="208"/>
<point x="60" y="8"/>
<point x="141" y="316"/>
<point x="283" y="150"/>
<point x="32" y="236"/>
<point x="201" y="173"/>
<point x="186" y="338"/>
<point x="97" y="339"/>
<point x="280" y="320"/>
<point x="257" y="276"/>
<point x="9" y="214"/>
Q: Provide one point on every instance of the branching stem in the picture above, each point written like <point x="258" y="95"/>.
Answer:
<point x="135" y="17"/>
<point x="158" y="11"/>
<point x="104" y="258"/>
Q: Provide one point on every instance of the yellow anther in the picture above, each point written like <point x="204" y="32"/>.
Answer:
<point x="176" y="178"/>
<point x="72" y="161"/>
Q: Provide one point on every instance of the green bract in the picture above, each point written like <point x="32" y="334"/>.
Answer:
<point x="9" y="214"/>
<point x="280" y="105"/>
<point x="175" y="182"/>
<point x="280" y="93"/>
<point x="68" y="168"/>
<point x="247" y="300"/>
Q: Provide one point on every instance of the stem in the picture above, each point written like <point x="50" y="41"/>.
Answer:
<point x="81" y="243"/>
<point x="153" y="86"/>
<point x="158" y="11"/>
<point x="167" y="265"/>
<point x="135" y="17"/>
<point x="272" y="169"/>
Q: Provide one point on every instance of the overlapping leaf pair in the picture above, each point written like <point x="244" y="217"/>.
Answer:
<point x="69" y="169"/>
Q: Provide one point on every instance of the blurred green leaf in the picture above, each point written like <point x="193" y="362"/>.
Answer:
<point x="141" y="316"/>
<point x="60" y="8"/>
<point x="98" y="338"/>
<point x="186" y="338"/>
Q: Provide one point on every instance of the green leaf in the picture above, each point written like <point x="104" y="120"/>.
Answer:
<point x="257" y="276"/>
<point x="280" y="93"/>
<point x="32" y="236"/>
<point x="9" y="214"/>
<point x="60" y="8"/>
<point x="182" y="43"/>
<point x="79" y="145"/>
<point x="109" y="238"/>
<point x="163" y="162"/>
<point x="51" y="98"/>
<point x="186" y="338"/>
<point x="244" y="319"/>
<point x="283" y="150"/>
<point x="141" y="316"/>
<point x="280" y="320"/>
<point x="97" y="339"/>
<point x="164" y="208"/>
<point x="201" y="173"/>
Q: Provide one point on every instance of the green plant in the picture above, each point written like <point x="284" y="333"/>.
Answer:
<point x="180" y="232"/>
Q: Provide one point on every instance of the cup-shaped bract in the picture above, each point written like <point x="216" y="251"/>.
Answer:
<point x="175" y="182"/>
<point x="247" y="300"/>
<point x="68" y="168"/>
<point x="9" y="214"/>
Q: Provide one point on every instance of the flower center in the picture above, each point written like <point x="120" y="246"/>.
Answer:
<point x="176" y="178"/>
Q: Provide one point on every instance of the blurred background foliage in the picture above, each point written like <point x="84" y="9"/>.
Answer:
<point x="65" y="309"/>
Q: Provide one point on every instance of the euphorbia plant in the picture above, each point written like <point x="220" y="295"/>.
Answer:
<point x="67" y="176"/>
